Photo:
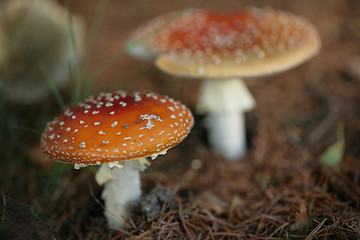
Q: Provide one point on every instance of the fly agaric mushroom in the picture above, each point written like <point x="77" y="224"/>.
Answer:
<point x="221" y="49"/>
<point x="117" y="127"/>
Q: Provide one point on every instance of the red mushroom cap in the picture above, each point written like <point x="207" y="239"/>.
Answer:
<point x="115" y="127"/>
<point x="245" y="43"/>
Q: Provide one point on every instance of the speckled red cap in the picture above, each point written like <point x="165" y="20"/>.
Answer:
<point x="115" y="127"/>
<point x="246" y="43"/>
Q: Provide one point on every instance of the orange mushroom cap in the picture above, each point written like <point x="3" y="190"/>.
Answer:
<point x="115" y="127"/>
<point x="246" y="43"/>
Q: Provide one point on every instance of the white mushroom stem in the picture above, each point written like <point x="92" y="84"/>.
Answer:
<point x="121" y="186"/>
<point x="225" y="101"/>
<point x="227" y="134"/>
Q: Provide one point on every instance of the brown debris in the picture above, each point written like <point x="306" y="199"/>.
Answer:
<point x="302" y="223"/>
<point x="152" y="202"/>
<point x="18" y="221"/>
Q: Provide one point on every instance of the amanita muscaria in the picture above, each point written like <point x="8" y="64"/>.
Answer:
<point x="112" y="128"/>
<point x="222" y="48"/>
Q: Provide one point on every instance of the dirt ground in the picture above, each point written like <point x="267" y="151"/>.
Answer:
<point x="280" y="190"/>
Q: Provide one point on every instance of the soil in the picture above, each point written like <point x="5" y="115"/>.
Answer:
<point x="280" y="190"/>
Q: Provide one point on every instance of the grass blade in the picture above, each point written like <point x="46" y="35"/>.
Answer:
<point x="52" y="85"/>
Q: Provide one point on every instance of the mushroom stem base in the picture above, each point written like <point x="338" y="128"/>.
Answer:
<point x="227" y="134"/>
<point x="225" y="101"/>
<point x="121" y="186"/>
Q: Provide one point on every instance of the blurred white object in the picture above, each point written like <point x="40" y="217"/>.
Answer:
<point x="35" y="33"/>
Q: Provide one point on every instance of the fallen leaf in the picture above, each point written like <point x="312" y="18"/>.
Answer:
<point x="302" y="223"/>
<point x="333" y="155"/>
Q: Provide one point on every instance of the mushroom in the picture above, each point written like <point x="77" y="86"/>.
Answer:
<point x="222" y="49"/>
<point x="112" y="128"/>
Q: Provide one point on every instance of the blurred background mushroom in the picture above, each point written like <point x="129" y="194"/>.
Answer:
<point x="221" y="49"/>
<point x="39" y="41"/>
